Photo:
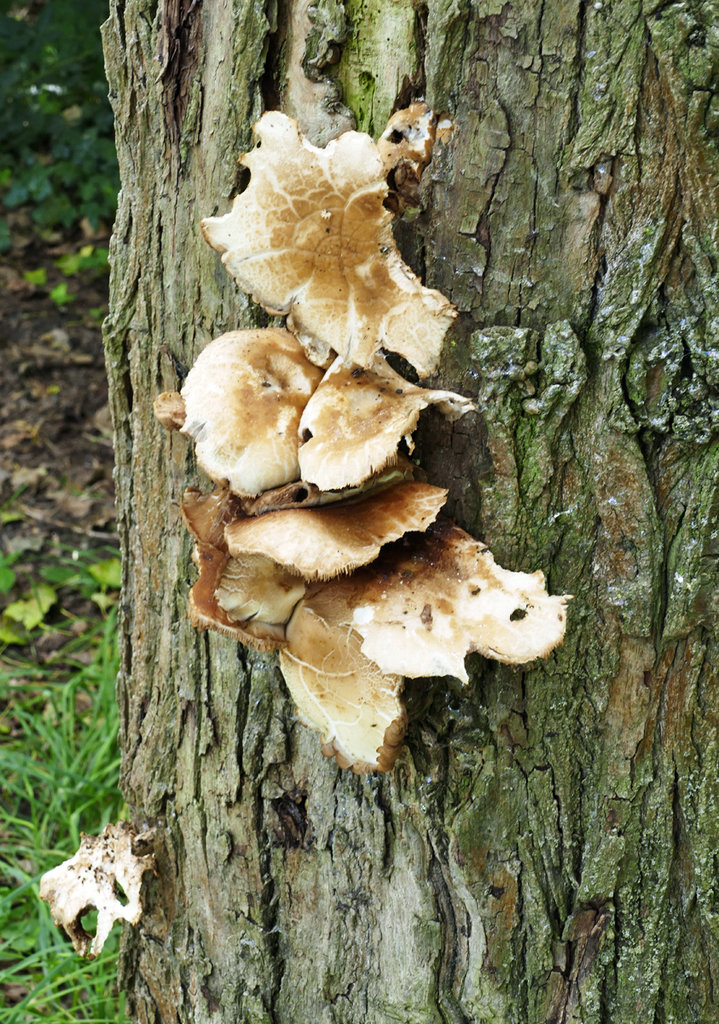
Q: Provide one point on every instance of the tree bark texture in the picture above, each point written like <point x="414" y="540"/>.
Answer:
<point x="545" y="849"/>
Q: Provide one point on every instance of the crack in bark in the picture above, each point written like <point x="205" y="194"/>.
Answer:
<point x="268" y="910"/>
<point x="179" y="49"/>
<point x="294" y="828"/>
<point x="299" y="77"/>
<point x="383" y="803"/>
<point x="578" y="68"/>
<point x="269" y="83"/>
<point x="241" y="713"/>
<point x="447" y="975"/>
<point x="588" y="927"/>
<point x="533" y="234"/>
<point x="523" y="940"/>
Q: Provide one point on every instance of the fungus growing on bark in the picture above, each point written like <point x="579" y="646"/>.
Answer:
<point x="106" y="875"/>
<point x="243" y="400"/>
<point x="310" y="237"/>
<point x="405" y="148"/>
<point x="248" y="599"/>
<point x="313" y="484"/>
<point x="220" y="580"/>
<point x="207" y="515"/>
<point x="338" y="691"/>
<point x="322" y="542"/>
<point x="433" y="598"/>
<point x="303" y="494"/>
<point x="356" y="418"/>
<point x="256" y="589"/>
<point x="169" y="409"/>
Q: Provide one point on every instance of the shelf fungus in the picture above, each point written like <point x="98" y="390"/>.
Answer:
<point x="169" y="410"/>
<point x="104" y="875"/>
<point x="417" y="610"/>
<point x="322" y="542"/>
<point x="355" y="707"/>
<point x="249" y="599"/>
<point x="405" y="148"/>
<point x="303" y="494"/>
<point x="311" y="237"/>
<point x="428" y="601"/>
<point x="243" y="400"/>
<point x="353" y="423"/>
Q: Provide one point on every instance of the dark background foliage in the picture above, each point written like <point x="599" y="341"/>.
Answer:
<point x="58" y="153"/>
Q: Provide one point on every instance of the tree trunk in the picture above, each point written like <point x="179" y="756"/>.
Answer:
<point x="546" y="847"/>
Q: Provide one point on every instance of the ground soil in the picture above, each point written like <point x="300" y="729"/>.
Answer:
<point x="55" y="431"/>
<point x="56" y="460"/>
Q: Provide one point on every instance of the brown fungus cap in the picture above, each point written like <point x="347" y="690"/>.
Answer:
<point x="243" y="400"/>
<point x="431" y="599"/>
<point x="322" y="542"/>
<point x="248" y="599"/>
<point x="356" y="419"/>
<point x="310" y="237"/>
<point x="303" y="494"/>
<point x="230" y="600"/>
<point x="169" y="410"/>
<point x="405" y="148"/>
<point x="207" y="515"/>
<point x="356" y="708"/>
<point x="255" y="589"/>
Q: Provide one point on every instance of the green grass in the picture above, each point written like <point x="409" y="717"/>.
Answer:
<point x="58" y="776"/>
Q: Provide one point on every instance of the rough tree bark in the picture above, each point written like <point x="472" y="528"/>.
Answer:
<point x="546" y="847"/>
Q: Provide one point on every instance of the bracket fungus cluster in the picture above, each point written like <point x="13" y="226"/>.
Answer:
<point x="319" y="539"/>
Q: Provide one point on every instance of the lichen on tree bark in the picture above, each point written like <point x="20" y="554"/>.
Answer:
<point x="545" y="849"/>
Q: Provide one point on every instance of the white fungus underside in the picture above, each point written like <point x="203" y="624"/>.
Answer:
<point x="337" y="690"/>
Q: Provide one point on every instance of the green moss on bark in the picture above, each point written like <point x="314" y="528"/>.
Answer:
<point x="381" y="49"/>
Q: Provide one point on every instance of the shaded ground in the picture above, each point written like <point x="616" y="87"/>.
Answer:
<point x="56" y="488"/>
<point x="55" y="432"/>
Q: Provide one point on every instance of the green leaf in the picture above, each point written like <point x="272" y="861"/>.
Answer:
<point x="32" y="611"/>
<point x="7" y="516"/>
<point x="86" y="258"/>
<point x="60" y="295"/>
<point x="10" y="633"/>
<point x="16" y="194"/>
<point x="64" y="575"/>
<point x="7" y="578"/>
<point x="38" y="276"/>
<point x="103" y="600"/>
<point x="107" y="573"/>
<point x="69" y="264"/>
<point x="5" y="236"/>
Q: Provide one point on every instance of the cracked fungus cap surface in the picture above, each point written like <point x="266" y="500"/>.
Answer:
<point x="90" y="880"/>
<point x="243" y="398"/>
<point x="311" y="238"/>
